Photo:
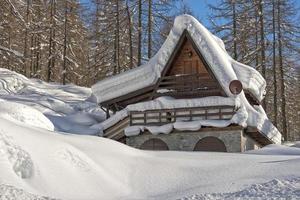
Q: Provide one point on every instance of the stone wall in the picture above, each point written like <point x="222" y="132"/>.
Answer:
<point x="248" y="143"/>
<point x="233" y="139"/>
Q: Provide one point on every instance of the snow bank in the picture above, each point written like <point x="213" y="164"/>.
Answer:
<point x="275" y="149"/>
<point x="11" y="82"/>
<point x="68" y="108"/>
<point x="24" y="114"/>
<point x="274" y="189"/>
<point x="36" y="164"/>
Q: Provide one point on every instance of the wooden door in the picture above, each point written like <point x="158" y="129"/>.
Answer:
<point x="154" y="144"/>
<point x="210" y="144"/>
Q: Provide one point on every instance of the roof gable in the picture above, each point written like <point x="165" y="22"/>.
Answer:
<point x="188" y="69"/>
<point x="223" y="67"/>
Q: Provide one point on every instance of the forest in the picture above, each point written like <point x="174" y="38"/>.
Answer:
<point x="82" y="42"/>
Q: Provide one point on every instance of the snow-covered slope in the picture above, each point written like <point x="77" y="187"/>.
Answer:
<point x="38" y="163"/>
<point x="35" y="163"/>
<point x="64" y="108"/>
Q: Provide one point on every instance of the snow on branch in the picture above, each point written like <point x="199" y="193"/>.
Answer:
<point x="16" y="53"/>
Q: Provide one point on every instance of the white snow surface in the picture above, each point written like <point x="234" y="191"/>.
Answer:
<point x="211" y="47"/>
<point x="222" y="65"/>
<point x="65" y="108"/>
<point x="40" y="164"/>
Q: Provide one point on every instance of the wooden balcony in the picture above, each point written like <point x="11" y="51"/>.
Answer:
<point x="165" y="116"/>
<point x="188" y="84"/>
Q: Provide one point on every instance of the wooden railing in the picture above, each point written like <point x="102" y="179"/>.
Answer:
<point x="187" y="82"/>
<point x="165" y="116"/>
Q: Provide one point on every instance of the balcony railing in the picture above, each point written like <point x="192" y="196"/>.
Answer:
<point x="165" y="116"/>
<point x="187" y="84"/>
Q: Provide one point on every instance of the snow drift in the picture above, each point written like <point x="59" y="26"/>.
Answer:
<point x="37" y="163"/>
<point x="65" y="108"/>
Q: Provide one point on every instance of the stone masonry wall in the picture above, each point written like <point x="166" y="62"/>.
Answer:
<point x="186" y="141"/>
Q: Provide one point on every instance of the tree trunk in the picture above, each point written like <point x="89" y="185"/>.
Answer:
<point x="118" y="36"/>
<point x="262" y="43"/>
<point x="235" y="56"/>
<point x="50" y="65"/>
<point x="26" y="64"/>
<point x="149" y="28"/>
<point x="274" y="65"/>
<point x="64" y="73"/>
<point x="139" y="32"/>
<point x="283" y="105"/>
<point x="129" y="35"/>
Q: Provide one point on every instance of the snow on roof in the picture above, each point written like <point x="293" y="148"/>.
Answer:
<point x="211" y="47"/>
<point x="225" y="69"/>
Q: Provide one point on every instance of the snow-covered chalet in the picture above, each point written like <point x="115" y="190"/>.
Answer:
<point x="190" y="96"/>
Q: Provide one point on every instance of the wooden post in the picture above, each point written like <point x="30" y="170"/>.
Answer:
<point x="174" y="115"/>
<point x="130" y="118"/>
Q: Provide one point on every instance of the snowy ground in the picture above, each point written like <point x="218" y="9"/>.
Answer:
<point x="38" y="163"/>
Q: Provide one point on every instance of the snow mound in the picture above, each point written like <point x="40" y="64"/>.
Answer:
<point x="275" y="189"/>
<point x="38" y="162"/>
<point x="65" y="108"/>
<point x="297" y="144"/>
<point x="275" y="149"/>
<point x="24" y="114"/>
<point x="11" y="82"/>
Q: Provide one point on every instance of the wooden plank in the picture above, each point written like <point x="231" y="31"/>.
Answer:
<point x="186" y="116"/>
<point x="170" y="115"/>
<point x="186" y="109"/>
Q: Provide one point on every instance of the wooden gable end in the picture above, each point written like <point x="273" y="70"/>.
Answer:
<point x="187" y="61"/>
<point x="187" y="74"/>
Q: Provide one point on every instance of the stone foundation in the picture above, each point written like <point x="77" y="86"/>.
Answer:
<point x="233" y="138"/>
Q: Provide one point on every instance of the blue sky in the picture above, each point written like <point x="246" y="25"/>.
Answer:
<point x="200" y="8"/>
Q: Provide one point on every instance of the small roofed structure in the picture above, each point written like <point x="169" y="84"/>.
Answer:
<point x="190" y="96"/>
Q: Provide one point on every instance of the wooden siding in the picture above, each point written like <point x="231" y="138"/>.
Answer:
<point x="187" y="74"/>
<point x="187" y="61"/>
